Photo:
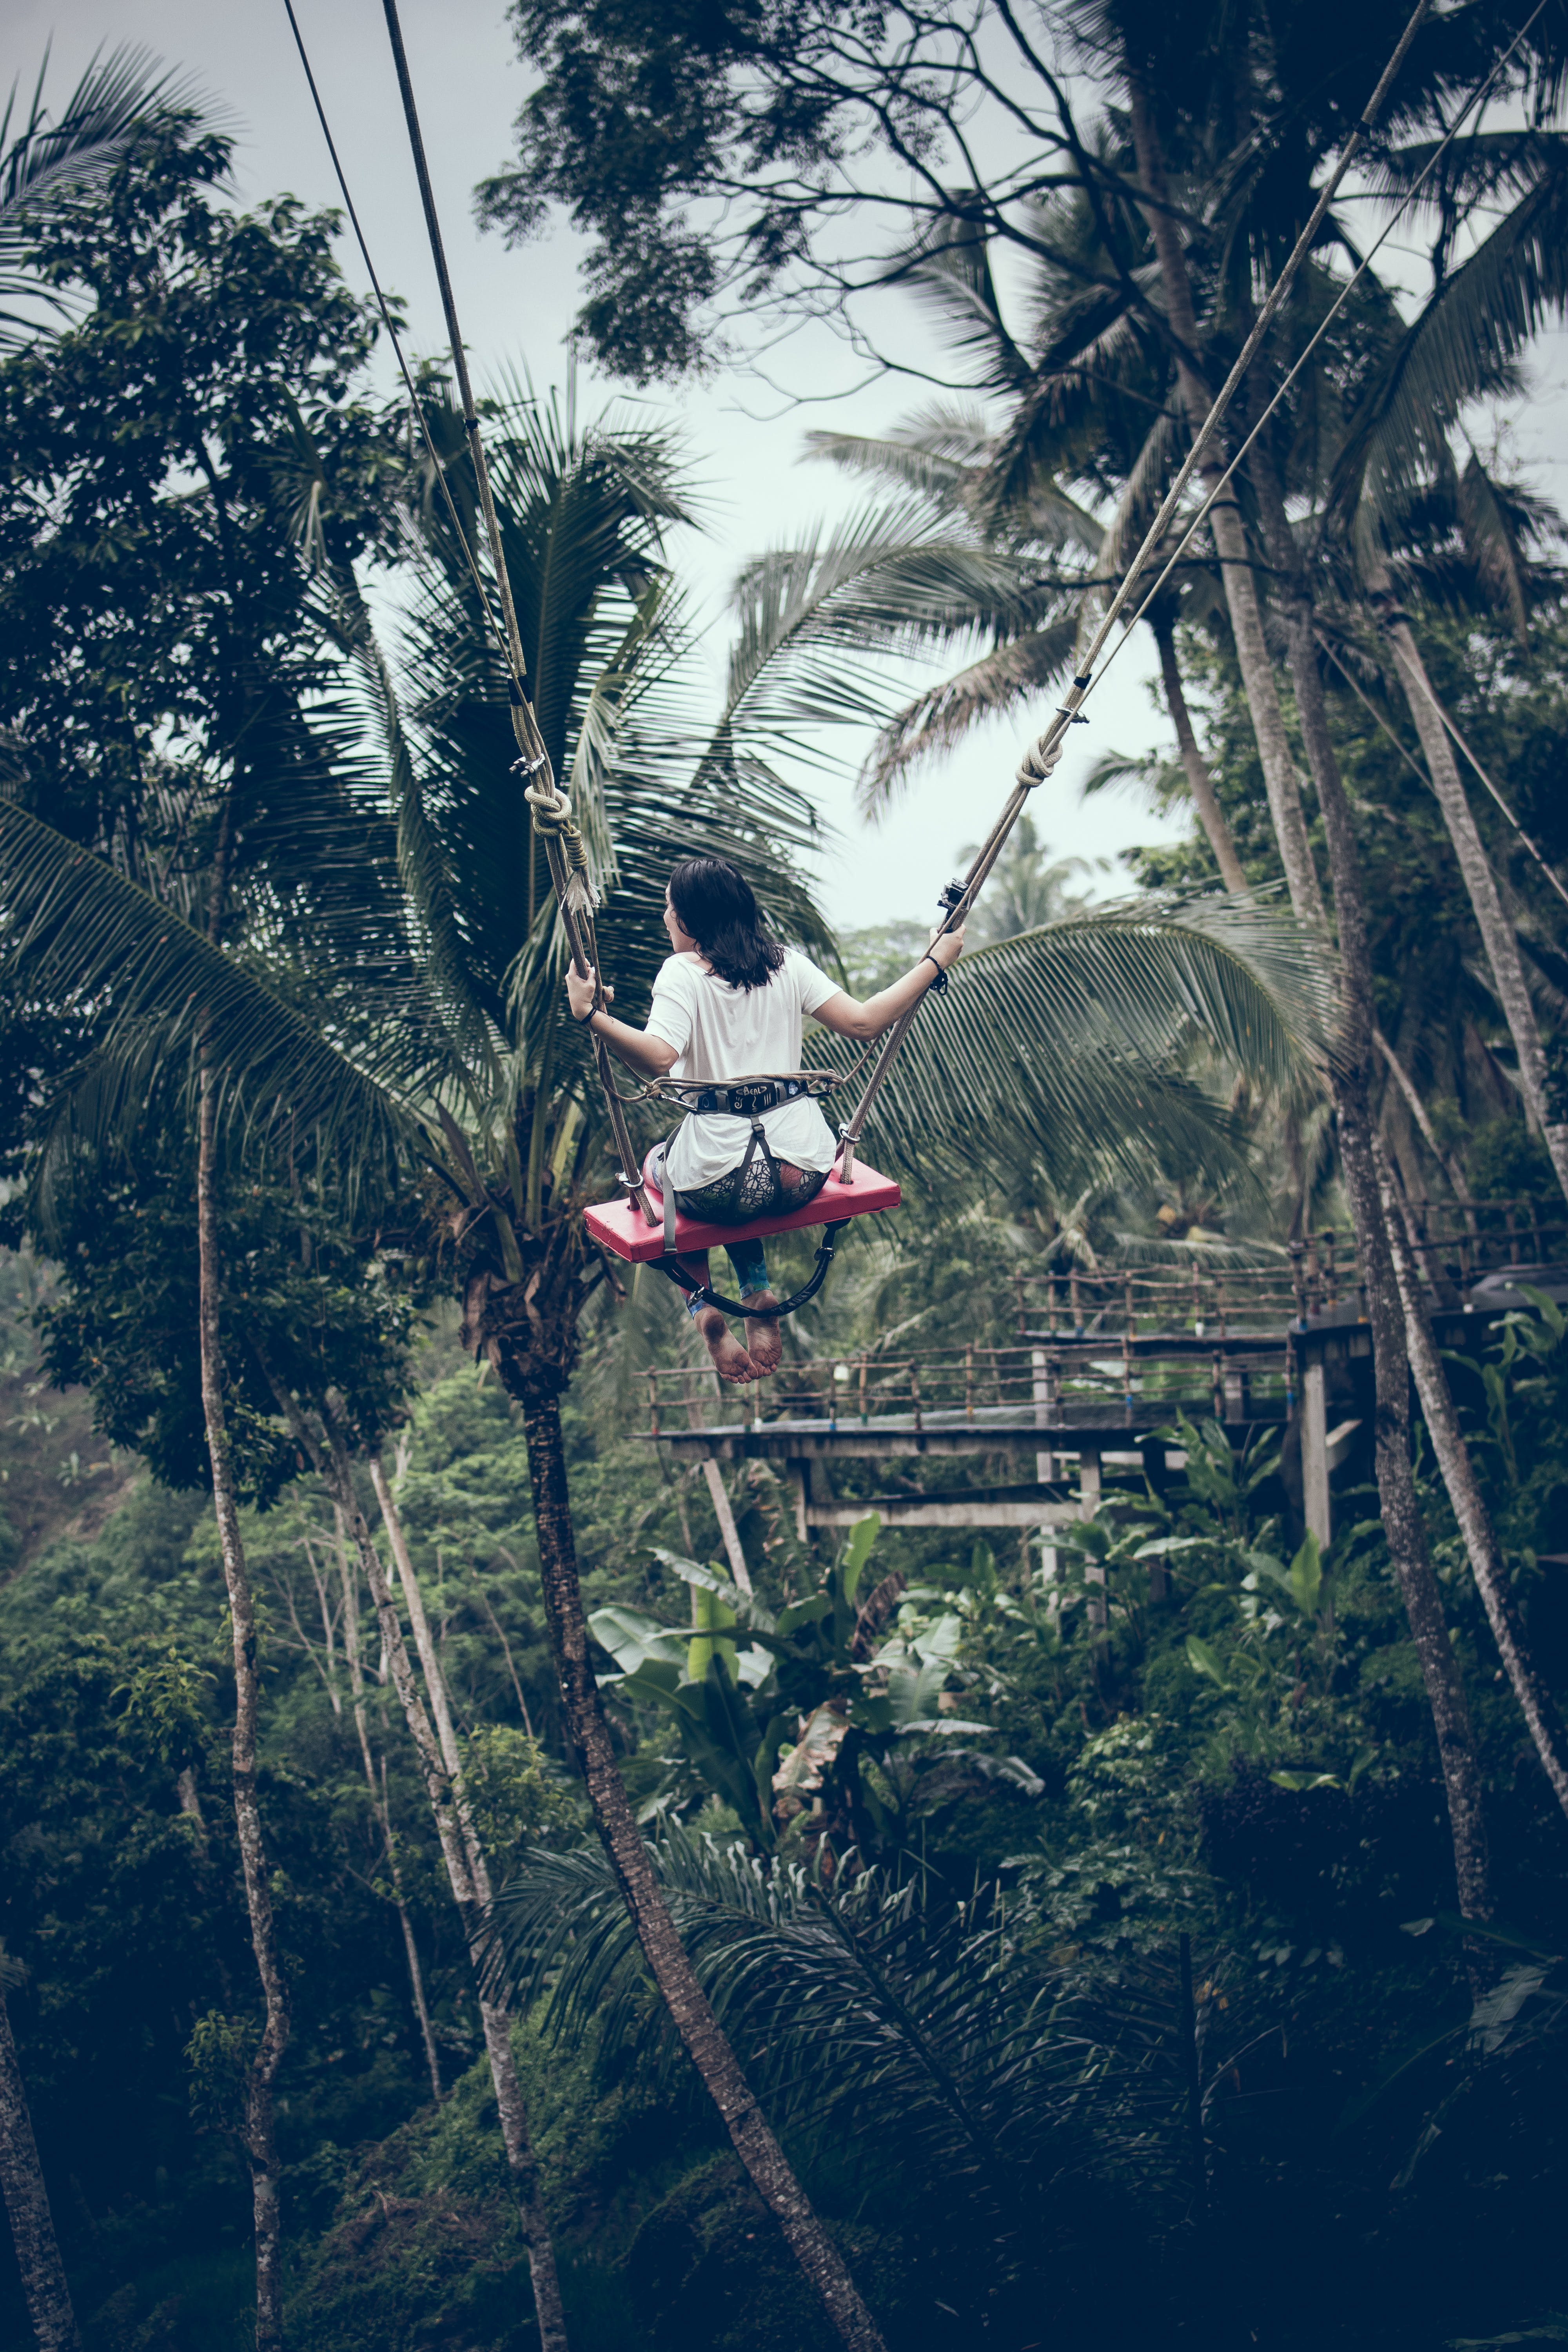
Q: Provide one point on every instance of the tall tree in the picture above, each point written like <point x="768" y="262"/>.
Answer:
<point x="493" y="1077"/>
<point x="21" y="2185"/>
<point x="160" y="650"/>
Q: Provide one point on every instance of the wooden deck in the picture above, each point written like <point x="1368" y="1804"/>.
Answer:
<point x="1104" y="1362"/>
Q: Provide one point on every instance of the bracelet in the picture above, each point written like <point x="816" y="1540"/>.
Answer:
<point x="585" y="1020"/>
<point x="940" y="983"/>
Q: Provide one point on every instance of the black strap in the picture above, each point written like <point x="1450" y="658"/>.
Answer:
<point x="702" y="1294"/>
<point x="747" y="1098"/>
<point x="757" y="1139"/>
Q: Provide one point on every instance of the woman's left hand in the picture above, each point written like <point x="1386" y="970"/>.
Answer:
<point x="580" y="991"/>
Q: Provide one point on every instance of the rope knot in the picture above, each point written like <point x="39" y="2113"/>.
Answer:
<point x="1037" y="763"/>
<point x="552" y="809"/>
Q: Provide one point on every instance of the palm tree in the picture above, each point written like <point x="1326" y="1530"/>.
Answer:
<point x="1262" y="219"/>
<point x="1463" y="344"/>
<point x="48" y="164"/>
<point x="1079" y="1032"/>
<point x="1094" y="336"/>
<point x="1087" y="427"/>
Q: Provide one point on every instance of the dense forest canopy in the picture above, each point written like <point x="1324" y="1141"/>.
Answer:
<point x="473" y="1869"/>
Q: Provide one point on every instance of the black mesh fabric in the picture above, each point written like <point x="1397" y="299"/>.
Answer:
<point x="753" y="1191"/>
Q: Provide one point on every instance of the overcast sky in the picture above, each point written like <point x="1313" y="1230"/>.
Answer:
<point x="516" y="308"/>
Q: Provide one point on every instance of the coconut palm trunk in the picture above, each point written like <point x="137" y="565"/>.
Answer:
<point x="460" y="1851"/>
<point x="1402" y="1527"/>
<point x="375" y="1787"/>
<point x="1490" y="1569"/>
<point x="752" y="2140"/>
<point x="257" y="2134"/>
<point x="1441" y="1420"/>
<point x="1229" y="530"/>
<point x="43" y="2274"/>
<point x="1498" y="938"/>
<point x="1200" y="783"/>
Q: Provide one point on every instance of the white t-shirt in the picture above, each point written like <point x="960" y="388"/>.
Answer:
<point x="721" y="1033"/>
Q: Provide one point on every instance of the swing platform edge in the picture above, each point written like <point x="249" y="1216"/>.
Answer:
<point x="616" y="1225"/>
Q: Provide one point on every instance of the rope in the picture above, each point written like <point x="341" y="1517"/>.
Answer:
<point x="389" y="322"/>
<point x="551" y="808"/>
<point x="1044" y="753"/>
<point x="1478" y="97"/>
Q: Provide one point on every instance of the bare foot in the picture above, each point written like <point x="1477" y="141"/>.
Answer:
<point x="730" y="1359"/>
<point x="765" y="1341"/>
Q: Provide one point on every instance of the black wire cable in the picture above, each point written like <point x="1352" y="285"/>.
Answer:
<point x="391" y="327"/>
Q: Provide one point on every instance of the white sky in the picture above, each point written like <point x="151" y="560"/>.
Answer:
<point x="516" y="308"/>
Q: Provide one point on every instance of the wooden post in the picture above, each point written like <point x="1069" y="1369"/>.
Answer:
<point x="1315" y="1449"/>
<point x="1088" y="1502"/>
<point x="1155" y="1472"/>
<point x="799" y="1476"/>
<point x="1040" y="1387"/>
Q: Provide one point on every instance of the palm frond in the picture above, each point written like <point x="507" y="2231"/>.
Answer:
<point x="933" y="454"/>
<point x="852" y="2004"/>
<point x="1464" y="345"/>
<point x="1490" y="527"/>
<point x="79" y="933"/>
<point x="939" y="718"/>
<point x="1069" y="1043"/>
<point x="950" y="274"/>
<point x="887" y="581"/>
<point x="51" y="161"/>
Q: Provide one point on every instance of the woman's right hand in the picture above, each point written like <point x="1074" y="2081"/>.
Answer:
<point x="580" y="991"/>
<point x="946" y="948"/>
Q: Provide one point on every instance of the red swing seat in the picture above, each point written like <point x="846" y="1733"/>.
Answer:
<point x="620" y="1228"/>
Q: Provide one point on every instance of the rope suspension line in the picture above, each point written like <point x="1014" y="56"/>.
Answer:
<point x="1043" y="753"/>
<point x="1419" y="772"/>
<point x="551" y="808"/>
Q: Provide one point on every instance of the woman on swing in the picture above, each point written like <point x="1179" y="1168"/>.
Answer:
<point x="729" y="1004"/>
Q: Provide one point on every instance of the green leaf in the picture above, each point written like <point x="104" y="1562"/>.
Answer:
<point x="1202" y="1660"/>
<point x="1307" y="1577"/>
<point x="857" y="1551"/>
<point x="633" y="1640"/>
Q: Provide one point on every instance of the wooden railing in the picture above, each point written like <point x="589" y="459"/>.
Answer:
<point x="1129" y="1343"/>
<point x="1454" y="1244"/>
<point x="1045" y="1387"/>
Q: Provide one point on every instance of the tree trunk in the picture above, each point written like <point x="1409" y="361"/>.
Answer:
<point x="257" y="2137"/>
<point x="383" y="1811"/>
<point x="1497" y="932"/>
<point x="672" y="1971"/>
<point x="27" y="2207"/>
<point x="469" y="1882"/>
<point x="1200" y="783"/>
<point x="1229" y="533"/>
<point x="1401" y="1512"/>
<point x="1405" y="1086"/>
<point x="1403" y="1529"/>
<point x="1487" y="1562"/>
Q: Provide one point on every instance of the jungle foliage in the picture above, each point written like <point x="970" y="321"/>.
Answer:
<point x="1082" y="1912"/>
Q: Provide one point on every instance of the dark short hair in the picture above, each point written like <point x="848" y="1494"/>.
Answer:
<point x="718" y="905"/>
